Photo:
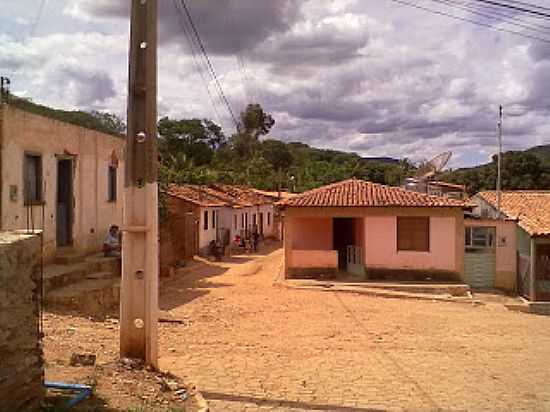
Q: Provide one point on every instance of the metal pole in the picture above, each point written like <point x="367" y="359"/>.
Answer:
<point x="139" y="288"/>
<point x="499" y="160"/>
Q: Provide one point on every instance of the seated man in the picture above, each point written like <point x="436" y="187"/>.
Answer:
<point x="111" y="244"/>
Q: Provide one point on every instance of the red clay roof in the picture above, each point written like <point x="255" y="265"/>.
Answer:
<point x="196" y="195"/>
<point x="218" y="195"/>
<point x="360" y="193"/>
<point x="530" y="207"/>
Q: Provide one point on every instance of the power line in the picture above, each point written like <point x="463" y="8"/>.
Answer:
<point x="452" y="16"/>
<point x="540" y="14"/>
<point x="523" y="3"/>
<point x="196" y="63"/>
<point x="37" y="18"/>
<point x="209" y="63"/>
<point x="496" y="16"/>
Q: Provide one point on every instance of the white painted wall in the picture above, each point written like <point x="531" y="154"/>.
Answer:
<point x="206" y="236"/>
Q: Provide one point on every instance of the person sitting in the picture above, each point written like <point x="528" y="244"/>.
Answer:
<point x="112" y="244"/>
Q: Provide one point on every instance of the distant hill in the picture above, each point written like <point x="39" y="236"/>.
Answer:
<point x="389" y="160"/>
<point x="542" y="152"/>
<point x="528" y="169"/>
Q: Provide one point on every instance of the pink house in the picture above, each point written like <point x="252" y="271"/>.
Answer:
<point x="370" y="229"/>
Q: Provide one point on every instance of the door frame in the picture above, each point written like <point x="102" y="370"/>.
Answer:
<point x="70" y="198"/>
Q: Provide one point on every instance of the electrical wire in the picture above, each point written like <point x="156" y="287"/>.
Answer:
<point x="496" y="16"/>
<point x="523" y="3"/>
<point x="37" y="18"/>
<point x="537" y="13"/>
<point x="196" y="63"/>
<point x="490" y="26"/>
<point x="209" y="64"/>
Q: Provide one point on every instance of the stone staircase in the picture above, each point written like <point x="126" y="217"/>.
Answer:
<point x="87" y="284"/>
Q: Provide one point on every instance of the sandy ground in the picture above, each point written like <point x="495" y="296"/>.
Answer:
<point x="251" y="347"/>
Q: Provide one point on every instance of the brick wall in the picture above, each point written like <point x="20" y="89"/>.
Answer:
<point x="21" y="364"/>
<point x="178" y="233"/>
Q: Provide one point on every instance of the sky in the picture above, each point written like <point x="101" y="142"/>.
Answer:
<point x="375" y="77"/>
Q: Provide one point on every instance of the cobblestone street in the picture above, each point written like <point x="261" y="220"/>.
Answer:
<point x="250" y="346"/>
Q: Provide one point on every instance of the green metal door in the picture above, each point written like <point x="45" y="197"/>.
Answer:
<point x="479" y="269"/>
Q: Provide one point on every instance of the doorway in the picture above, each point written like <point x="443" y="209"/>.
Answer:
<point x="261" y="224"/>
<point x="64" y="205"/>
<point x="542" y="270"/>
<point x="343" y="235"/>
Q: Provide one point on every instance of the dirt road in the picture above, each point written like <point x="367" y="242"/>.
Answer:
<point x="252" y="347"/>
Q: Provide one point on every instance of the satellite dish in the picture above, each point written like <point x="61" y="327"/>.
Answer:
<point x="436" y="165"/>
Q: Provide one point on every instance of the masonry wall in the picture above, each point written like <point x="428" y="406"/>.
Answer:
<point x="21" y="362"/>
<point x="92" y="153"/>
<point x="178" y="233"/>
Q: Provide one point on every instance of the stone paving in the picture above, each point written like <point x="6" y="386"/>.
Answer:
<point x="250" y="346"/>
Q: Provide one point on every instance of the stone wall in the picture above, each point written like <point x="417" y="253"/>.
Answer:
<point x="21" y="363"/>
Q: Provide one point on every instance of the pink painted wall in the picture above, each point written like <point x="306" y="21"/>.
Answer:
<point x="314" y="259"/>
<point x="311" y="233"/>
<point x="381" y="245"/>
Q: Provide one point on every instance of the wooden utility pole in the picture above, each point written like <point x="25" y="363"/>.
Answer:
<point x="139" y="290"/>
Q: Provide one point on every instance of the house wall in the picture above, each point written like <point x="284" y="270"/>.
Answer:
<point x="251" y="211"/>
<point x="93" y="151"/>
<point x="505" y="250"/>
<point x="206" y="236"/>
<point x="311" y="228"/>
<point x="178" y="233"/>
<point x="312" y="233"/>
<point x="381" y="245"/>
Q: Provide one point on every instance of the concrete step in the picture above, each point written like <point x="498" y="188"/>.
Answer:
<point x="59" y="275"/>
<point x="67" y="256"/>
<point x="453" y="289"/>
<point x="100" y="275"/>
<point x="106" y="264"/>
<point x="90" y="296"/>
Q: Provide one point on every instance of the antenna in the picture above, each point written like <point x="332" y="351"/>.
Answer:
<point x="435" y="165"/>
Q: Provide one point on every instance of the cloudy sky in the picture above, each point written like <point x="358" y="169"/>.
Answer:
<point x="371" y="76"/>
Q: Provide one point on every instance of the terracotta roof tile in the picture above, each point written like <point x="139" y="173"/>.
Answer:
<point x="196" y="195"/>
<point x="530" y="207"/>
<point x="217" y="195"/>
<point x="360" y="193"/>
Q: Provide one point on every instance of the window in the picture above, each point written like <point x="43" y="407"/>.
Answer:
<point x="242" y="221"/>
<point x="235" y="221"/>
<point x="32" y="174"/>
<point x="111" y="184"/>
<point x="246" y="220"/>
<point x="268" y="218"/>
<point x="213" y="219"/>
<point x="413" y="233"/>
<point x="479" y="237"/>
<point x="254" y="219"/>
<point x="205" y="220"/>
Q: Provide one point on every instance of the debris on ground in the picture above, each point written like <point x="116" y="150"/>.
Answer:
<point x="82" y="359"/>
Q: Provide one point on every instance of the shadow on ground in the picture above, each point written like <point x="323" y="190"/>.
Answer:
<point x="217" y="396"/>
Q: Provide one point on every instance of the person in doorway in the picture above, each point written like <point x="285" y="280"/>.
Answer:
<point x="112" y="243"/>
<point x="255" y="239"/>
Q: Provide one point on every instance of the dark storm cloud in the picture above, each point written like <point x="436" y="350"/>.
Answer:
<point x="226" y="27"/>
<point x="321" y="45"/>
<point x="539" y="51"/>
<point x="87" y="87"/>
